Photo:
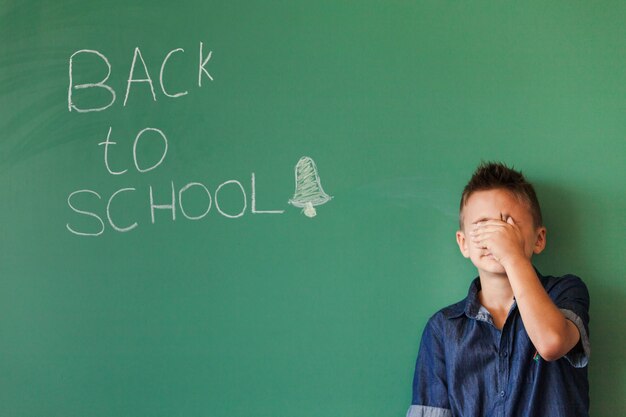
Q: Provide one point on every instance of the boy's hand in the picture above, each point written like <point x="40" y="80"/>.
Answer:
<point x="503" y="239"/>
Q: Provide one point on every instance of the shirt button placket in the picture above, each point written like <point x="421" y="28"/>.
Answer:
<point x="503" y="369"/>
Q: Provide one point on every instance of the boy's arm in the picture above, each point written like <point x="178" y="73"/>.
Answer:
<point x="552" y="334"/>
<point x="430" y="386"/>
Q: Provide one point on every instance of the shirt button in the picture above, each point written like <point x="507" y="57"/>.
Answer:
<point x="501" y="394"/>
<point x="503" y="354"/>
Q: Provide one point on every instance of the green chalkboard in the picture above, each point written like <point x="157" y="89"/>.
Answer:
<point x="160" y="163"/>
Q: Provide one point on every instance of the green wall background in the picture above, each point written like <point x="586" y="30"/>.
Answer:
<point x="279" y="314"/>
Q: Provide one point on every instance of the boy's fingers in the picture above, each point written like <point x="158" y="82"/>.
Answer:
<point x="480" y="235"/>
<point x="486" y="229"/>
<point x="480" y="240"/>
<point x="490" y="227"/>
<point x="489" y="224"/>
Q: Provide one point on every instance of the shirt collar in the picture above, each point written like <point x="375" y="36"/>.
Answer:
<point x="471" y="306"/>
<point x="473" y="309"/>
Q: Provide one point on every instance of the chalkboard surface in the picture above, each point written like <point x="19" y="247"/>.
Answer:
<point x="248" y="208"/>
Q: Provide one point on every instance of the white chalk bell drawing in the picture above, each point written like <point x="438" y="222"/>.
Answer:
<point x="309" y="192"/>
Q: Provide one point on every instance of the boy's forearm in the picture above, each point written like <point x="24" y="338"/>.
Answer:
<point x="551" y="333"/>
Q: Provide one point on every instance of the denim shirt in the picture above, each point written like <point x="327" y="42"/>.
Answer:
<point x="466" y="367"/>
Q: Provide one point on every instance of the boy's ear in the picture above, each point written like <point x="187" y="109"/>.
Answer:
<point x="540" y="241"/>
<point x="462" y="242"/>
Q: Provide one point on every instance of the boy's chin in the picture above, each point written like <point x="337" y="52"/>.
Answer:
<point x="490" y="266"/>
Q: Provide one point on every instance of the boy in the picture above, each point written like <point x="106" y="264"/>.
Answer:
<point x="518" y="344"/>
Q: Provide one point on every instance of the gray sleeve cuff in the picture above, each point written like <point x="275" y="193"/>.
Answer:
<point x="425" y="411"/>
<point x="575" y="357"/>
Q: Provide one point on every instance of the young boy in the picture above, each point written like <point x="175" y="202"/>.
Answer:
<point x="518" y="344"/>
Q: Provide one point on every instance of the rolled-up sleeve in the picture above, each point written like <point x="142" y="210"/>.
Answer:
<point x="430" y="388"/>
<point x="572" y="298"/>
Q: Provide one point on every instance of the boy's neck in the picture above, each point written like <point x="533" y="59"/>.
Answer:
<point x="496" y="295"/>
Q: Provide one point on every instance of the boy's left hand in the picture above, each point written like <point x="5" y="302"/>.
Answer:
<point x="503" y="239"/>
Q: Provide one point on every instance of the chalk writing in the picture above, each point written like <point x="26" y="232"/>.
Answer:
<point x="95" y="221"/>
<point x="102" y="84"/>
<point x="171" y="203"/>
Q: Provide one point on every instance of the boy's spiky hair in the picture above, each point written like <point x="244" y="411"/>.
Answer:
<point x="496" y="175"/>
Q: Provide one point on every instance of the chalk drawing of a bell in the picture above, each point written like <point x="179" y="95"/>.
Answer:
<point x="309" y="192"/>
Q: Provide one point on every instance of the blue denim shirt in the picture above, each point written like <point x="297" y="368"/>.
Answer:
<point x="466" y="367"/>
